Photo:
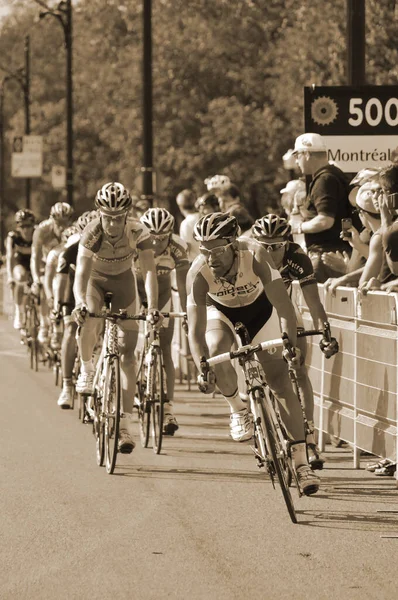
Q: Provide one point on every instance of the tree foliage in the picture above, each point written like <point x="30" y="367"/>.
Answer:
<point x="228" y="79"/>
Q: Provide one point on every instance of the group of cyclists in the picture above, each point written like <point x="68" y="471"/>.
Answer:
<point x="131" y="251"/>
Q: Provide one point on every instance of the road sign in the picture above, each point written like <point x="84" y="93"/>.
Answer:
<point x="27" y="156"/>
<point x="58" y="177"/>
<point x="359" y="124"/>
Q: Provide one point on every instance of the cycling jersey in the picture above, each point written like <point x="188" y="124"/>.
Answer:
<point x="296" y="265"/>
<point x="20" y="248"/>
<point x="67" y="259"/>
<point x="113" y="259"/>
<point x="46" y="237"/>
<point x="243" y="300"/>
<point x="247" y="286"/>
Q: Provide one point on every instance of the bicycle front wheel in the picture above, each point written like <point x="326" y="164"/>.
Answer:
<point x="144" y="408"/>
<point x="98" y="426"/>
<point x="157" y="402"/>
<point x="32" y="332"/>
<point x="268" y="440"/>
<point x="112" y="412"/>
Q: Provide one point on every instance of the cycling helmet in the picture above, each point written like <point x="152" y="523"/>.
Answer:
<point x="24" y="216"/>
<point x="216" y="226"/>
<point x="85" y="219"/>
<point x="113" y="199"/>
<point x="208" y="199"/>
<point x="158" y="220"/>
<point x="217" y="182"/>
<point x="271" y="226"/>
<point x="61" y="210"/>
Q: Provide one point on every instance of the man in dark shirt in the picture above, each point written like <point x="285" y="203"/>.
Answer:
<point x="327" y="203"/>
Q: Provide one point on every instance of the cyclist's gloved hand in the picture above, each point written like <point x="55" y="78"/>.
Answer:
<point x="79" y="313"/>
<point x="154" y="318"/>
<point x="292" y="356"/>
<point x="329" y="347"/>
<point x="185" y="325"/>
<point x="206" y="378"/>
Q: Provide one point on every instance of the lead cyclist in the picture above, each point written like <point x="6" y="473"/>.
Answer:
<point x="104" y="263"/>
<point x="235" y="280"/>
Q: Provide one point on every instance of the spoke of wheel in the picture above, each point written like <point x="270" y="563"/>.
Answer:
<point x="158" y="398"/>
<point x="144" y="415"/>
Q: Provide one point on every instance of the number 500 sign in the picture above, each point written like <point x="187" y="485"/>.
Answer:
<point x="360" y="124"/>
<point x="373" y="112"/>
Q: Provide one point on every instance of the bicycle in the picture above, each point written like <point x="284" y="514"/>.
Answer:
<point x="31" y="329"/>
<point x="271" y="442"/>
<point x="107" y="389"/>
<point x="151" y="388"/>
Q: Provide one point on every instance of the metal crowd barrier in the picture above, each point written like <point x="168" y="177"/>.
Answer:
<point x="356" y="390"/>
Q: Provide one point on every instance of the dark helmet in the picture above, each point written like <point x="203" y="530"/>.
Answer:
<point x="25" y="215"/>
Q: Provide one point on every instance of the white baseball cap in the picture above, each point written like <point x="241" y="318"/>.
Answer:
<point x="309" y="142"/>
<point x="293" y="186"/>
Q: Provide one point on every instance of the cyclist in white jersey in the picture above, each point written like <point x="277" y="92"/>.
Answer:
<point x="235" y="280"/>
<point x="170" y="256"/>
<point x="105" y="257"/>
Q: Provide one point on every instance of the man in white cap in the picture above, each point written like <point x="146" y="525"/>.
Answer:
<point x="327" y="203"/>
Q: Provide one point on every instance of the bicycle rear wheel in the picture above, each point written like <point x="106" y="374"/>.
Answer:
<point x="112" y="412"/>
<point x="32" y="331"/>
<point x="157" y="402"/>
<point x="269" y="443"/>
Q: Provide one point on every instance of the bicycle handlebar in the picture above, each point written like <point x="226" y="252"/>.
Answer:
<point x="248" y="349"/>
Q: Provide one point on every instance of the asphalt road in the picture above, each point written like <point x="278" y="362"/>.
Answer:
<point x="197" y="522"/>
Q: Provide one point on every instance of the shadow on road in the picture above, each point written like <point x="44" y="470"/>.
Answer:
<point x="192" y="474"/>
<point x="358" y="521"/>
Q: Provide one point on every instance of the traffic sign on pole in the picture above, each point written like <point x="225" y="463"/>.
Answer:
<point x="58" y="177"/>
<point x="27" y="156"/>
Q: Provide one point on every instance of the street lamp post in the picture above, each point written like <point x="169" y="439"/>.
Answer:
<point x="63" y="14"/>
<point x="147" y="141"/>
<point x="2" y="186"/>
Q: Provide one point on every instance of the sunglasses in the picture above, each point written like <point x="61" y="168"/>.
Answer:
<point x="160" y="237"/>
<point x="275" y="246"/>
<point x="213" y="252"/>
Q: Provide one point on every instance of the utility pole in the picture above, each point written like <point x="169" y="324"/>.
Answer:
<point x="147" y="168"/>
<point x="356" y="42"/>
<point x="63" y="14"/>
<point x="26" y="93"/>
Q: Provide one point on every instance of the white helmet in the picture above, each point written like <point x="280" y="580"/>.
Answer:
<point x="113" y="199"/>
<point x="158" y="220"/>
<point x="217" y="182"/>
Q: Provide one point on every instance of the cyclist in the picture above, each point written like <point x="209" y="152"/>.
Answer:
<point x="104" y="264"/>
<point x="235" y="280"/>
<point x="63" y="295"/>
<point x="47" y="235"/>
<point x="170" y="255"/>
<point x="18" y="252"/>
<point x="274" y="234"/>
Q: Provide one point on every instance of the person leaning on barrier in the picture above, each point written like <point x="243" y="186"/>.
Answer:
<point x="328" y="203"/>
<point x="369" y="214"/>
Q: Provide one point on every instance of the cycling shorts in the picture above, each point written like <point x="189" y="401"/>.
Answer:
<point x="123" y="288"/>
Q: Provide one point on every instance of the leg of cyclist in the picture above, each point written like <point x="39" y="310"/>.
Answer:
<point x="170" y="424"/>
<point x="21" y="277"/>
<point x="307" y="395"/>
<point x="87" y="338"/>
<point x="68" y="355"/>
<point x="127" y="342"/>
<point x="219" y="339"/>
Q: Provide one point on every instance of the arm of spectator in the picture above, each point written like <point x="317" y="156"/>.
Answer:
<point x="336" y="260"/>
<point x="319" y="223"/>
<point x="374" y="263"/>
<point x="356" y="242"/>
<point x="391" y="286"/>
<point x="390" y="244"/>
<point x="348" y="280"/>
<point x="386" y="215"/>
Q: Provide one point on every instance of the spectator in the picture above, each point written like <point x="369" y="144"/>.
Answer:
<point x="327" y="203"/>
<point x="245" y="221"/>
<point x="206" y="204"/>
<point x="186" y="203"/>
<point x="371" y="220"/>
<point x="293" y="194"/>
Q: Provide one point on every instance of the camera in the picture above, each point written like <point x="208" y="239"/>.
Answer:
<point x="392" y="201"/>
<point x="346" y="224"/>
